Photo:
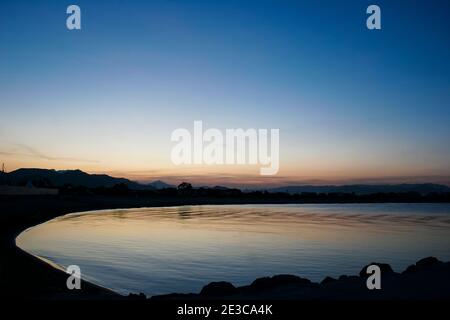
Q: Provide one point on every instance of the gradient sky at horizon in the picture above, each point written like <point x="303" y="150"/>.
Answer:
<point x="352" y="105"/>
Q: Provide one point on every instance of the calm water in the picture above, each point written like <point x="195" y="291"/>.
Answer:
<point x="180" y="249"/>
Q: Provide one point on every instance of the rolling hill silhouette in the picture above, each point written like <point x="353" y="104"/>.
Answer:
<point x="158" y="184"/>
<point x="76" y="178"/>
<point x="360" y="189"/>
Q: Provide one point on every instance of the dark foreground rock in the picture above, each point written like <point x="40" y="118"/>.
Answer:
<point x="268" y="283"/>
<point x="384" y="267"/>
<point x="429" y="280"/>
<point x="217" y="289"/>
<point x="327" y="280"/>
<point x="422" y="264"/>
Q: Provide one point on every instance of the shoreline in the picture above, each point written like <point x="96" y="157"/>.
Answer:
<point x="20" y="213"/>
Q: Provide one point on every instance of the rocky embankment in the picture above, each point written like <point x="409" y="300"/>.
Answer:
<point x="428" y="278"/>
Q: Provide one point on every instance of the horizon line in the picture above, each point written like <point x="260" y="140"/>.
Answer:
<point x="273" y="182"/>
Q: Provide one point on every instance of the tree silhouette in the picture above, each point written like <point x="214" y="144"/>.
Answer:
<point x="185" y="186"/>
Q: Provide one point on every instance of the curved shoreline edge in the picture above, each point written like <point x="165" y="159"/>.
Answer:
<point x="25" y="276"/>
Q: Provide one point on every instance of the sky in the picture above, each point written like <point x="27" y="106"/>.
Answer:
<point x="352" y="105"/>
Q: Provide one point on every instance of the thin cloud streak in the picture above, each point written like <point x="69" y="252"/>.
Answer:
<point x="28" y="151"/>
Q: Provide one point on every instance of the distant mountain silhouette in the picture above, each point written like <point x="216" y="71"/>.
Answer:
<point x="214" y="187"/>
<point x="422" y="188"/>
<point x="75" y="178"/>
<point x="78" y="178"/>
<point x="158" y="184"/>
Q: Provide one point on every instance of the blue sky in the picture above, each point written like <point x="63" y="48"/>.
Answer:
<point x="351" y="104"/>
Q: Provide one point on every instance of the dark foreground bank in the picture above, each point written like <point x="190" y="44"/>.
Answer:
<point x="23" y="276"/>
<point x="427" y="279"/>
